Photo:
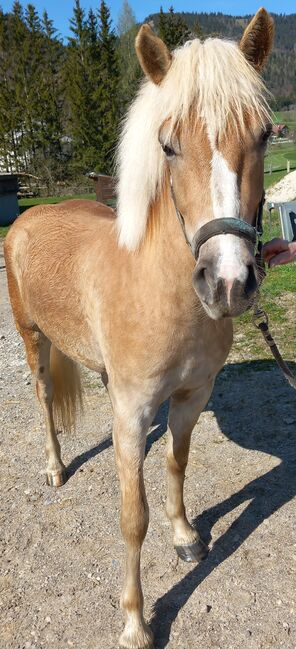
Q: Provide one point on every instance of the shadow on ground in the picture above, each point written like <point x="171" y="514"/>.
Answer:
<point x="267" y="406"/>
<point x="159" y="428"/>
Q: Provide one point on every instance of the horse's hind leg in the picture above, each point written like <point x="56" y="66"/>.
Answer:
<point x="185" y="408"/>
<point x="38" y="356"/>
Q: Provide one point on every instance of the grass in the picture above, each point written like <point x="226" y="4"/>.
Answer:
<point x="287" y="117"/>
<point x="277" y="298"/>
<point x="275" y="177"/>
<point x="3" y="231"/>
<point x="279" y="154"/>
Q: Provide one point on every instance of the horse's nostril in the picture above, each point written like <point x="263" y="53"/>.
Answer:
<point x="251" y="283"/>
<point x="200" y="281"/>
<point x="204" y="281"/>
<point x="201" y="275"/>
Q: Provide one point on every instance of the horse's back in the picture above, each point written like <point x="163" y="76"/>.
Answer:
<point x="43" y="229"/>
<point x="71" y="214"/>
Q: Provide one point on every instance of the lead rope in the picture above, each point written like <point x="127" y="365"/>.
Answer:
<point x="260" y="317"/>
<point x="260" y="321"/>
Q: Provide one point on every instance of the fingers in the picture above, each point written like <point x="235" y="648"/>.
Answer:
<point x="285" y="257"/>
<point x="274" y="247"/>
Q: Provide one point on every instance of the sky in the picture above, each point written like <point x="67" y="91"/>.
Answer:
<point x="61" y="10"/>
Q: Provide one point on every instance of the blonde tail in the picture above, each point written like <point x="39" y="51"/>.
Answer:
<point x="67" y="400"/>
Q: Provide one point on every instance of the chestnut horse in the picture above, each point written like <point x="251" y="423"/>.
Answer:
<point x="125" y="296"/>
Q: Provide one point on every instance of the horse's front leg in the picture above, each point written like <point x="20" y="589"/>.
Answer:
<point x="185" y="408"/>
<point x="129" y="443"/>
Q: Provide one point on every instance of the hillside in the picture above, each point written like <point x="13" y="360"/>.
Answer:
<point x="280" y="74"/>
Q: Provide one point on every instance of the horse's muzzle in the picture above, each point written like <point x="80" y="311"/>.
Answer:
<point x="222" y="297"/>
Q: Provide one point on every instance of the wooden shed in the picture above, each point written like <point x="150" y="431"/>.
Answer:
<point x="9" y="208"/>
<point x="105" y="187"/>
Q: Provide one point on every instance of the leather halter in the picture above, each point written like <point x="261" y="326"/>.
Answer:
<point x="238" y="227"/>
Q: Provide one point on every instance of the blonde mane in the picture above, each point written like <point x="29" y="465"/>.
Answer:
<point x="212" y="78"/>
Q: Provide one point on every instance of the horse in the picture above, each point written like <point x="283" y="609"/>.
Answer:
<point x="143" y="297"/>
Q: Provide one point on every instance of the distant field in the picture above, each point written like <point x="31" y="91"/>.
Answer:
<point x="277" y="156"/>
<point x="287" y="117"/>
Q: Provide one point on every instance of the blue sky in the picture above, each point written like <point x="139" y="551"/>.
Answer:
<point x="61" y="10"/>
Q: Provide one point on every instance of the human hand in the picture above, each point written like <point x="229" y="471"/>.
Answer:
<point x="279" y="251"/>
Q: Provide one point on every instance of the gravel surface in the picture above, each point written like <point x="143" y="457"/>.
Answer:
<point x="284" y="190"/>
<point x="61" y="549"/>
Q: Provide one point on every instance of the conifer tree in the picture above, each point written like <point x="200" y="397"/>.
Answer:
<point x="7" y="124"/>
<point x="51" y="102"/>
<point x="77" y="88"/>
<point x="106" y="94"/>
<point x="129" y="68"/>
<point x="172" y="29"/>
<point x="18" y="51"/>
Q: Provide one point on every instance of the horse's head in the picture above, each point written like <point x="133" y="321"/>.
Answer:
<point x="211" y="137"/>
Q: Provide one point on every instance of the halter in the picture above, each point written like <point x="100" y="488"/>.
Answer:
<point x="238" y="227"/>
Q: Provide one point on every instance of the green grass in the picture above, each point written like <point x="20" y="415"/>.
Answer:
<point x="3" y="231"/>
<point x="278" y="154"/>
<point x="275" y="177"/>
<point x="277" y="298"/>
<point x="287" y="117"/>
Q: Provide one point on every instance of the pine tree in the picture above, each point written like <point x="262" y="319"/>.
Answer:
<point x="34" y="116"/>
<point x="77" y="89"/>
<point x="19" y="57"/>
<point x="172" y="29"/>
<point x="7" y="125"/>
<point x="129" y="68"/>
<point x="162" y="25"/>
<point x="51" y="103"/>
<point x="106" y="95"/>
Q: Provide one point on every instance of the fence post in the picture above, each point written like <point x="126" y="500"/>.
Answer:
<point x="288" y="166"/>
<point x="270" y="168"/>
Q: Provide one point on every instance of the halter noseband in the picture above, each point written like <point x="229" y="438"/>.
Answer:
<point x="238" y="227"/>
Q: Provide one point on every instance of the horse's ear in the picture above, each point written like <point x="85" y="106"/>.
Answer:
<point x="154" y="56"/>
<point x="257" y="39"/>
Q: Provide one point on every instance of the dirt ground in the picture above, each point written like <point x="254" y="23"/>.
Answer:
<point x="61" y="550"/>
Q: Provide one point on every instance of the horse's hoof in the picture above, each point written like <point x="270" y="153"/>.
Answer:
<point x="193" y="552"/>
<point x="140" y="638"/>
<point x="56" y="478"/>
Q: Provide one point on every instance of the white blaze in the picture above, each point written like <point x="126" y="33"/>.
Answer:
<point x="226" y="204"/>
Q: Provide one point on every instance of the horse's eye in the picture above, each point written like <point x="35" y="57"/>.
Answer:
<point x="169" y="152"/>
<point x="266" y="133"/>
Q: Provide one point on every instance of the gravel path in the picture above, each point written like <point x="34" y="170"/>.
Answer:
<point x="61" y="550"/>
<point x="284" y="190"/>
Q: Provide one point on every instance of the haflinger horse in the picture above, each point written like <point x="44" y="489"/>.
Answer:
<point x="127" y="296"/>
